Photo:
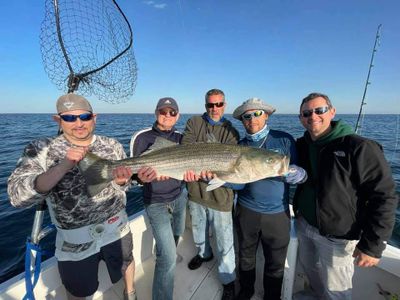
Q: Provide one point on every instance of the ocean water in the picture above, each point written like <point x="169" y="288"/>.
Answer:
<point x="18" y="129"/>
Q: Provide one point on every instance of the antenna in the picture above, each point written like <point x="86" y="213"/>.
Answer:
<point x="360" y="117"/>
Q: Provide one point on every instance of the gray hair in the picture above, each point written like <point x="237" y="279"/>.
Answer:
<point x="214" y="92"/>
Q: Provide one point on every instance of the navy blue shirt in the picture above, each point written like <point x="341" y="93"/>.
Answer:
<point x="269" y="195"/>
<point x="156" y="191"/>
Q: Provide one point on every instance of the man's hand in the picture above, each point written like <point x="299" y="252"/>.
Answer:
<point x="205" y="175"/>
<point x="73" y="156"/>
<point x="147" y="174"/>
<point x="122" y="175"/>
<point x="162" y="178"/>
<point x="190" y="176"/>
<point x="363" y="260"/>
<point x="295" y="175"/>
<point x="47" y="180"/>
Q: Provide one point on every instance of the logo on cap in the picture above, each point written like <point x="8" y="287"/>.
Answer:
<point x="68" y="104"/>
<point x="167" y="102"/>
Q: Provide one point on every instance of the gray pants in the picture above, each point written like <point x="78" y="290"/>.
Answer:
<point x="327" y="262"/>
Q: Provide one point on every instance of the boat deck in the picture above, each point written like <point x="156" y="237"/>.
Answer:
<point x="202" y="283"/>
<point x="197" y="284"/>
<point x="189" y="284"/>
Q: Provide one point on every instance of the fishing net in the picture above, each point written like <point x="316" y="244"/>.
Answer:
<point x="87" y="46"/>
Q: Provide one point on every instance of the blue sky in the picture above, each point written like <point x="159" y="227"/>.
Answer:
<point x="276" y="50"/>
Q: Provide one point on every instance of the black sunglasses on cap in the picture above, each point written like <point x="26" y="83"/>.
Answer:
<point x="72" y="118"/>
<point x="217" y="104"/>
<point x="318" y="111"/>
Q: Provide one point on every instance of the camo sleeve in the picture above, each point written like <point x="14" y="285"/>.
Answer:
<point x="21" y="183"/>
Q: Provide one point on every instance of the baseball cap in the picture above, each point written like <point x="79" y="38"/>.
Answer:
<point x="71" y="102"/>
<point x="167" y="102"/>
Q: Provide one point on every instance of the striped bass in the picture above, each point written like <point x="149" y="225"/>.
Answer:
<point x="230" y="163"/>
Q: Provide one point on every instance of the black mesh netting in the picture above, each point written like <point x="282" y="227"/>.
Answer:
<point x="89" y="49"/>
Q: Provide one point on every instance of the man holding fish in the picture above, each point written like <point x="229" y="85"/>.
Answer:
<point x="164" y="199"/>
<point x="89" y="228"/>
<point x="209" y="143"/>
<point x="212" y="208"/>
<point x="262" y="209"/>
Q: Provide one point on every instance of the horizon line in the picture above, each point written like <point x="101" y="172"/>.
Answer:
<point x="182" y="113"/>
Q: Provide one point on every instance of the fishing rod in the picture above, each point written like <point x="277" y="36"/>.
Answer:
<point x="360" y="117"/>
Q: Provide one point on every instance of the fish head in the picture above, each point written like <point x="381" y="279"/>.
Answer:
<point x="269" y="164"/>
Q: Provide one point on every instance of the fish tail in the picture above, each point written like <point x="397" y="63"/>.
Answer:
<point x="97" y="173"/>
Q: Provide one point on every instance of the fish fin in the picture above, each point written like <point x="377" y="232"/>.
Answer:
<point x="231" y="177"/>
<point x="159" y="143"/>
<point x="214" y="184"/>
<point x="97" y="173"/>
<point x="210" y="138"/>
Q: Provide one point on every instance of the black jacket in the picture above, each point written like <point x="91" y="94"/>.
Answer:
<point x="156" y="191"/>
<point x="355" y="191"/>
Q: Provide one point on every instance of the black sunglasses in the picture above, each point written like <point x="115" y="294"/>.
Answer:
<point x="318" y="110"/>
<point x="171" y="112"/>
<point x="73" y="118"/>
<point x="217" y="104"/>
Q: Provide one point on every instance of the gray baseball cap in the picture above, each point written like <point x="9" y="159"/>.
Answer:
<point x="71" y="102"/>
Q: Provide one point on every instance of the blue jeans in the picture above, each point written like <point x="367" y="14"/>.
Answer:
<point x="222" y="228"/>
<point x="167" y="220"/>
<point x="327" y="262"/>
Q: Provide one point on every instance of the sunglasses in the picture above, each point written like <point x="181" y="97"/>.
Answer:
<point x="254" y="114"/>
<point x="217" y="104"/>
<point x="73" y="118"/>
<point x="318" y="111"/>
<point x="165" y="112"/>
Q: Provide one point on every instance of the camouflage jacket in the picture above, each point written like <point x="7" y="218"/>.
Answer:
<point x="69" y="205"/>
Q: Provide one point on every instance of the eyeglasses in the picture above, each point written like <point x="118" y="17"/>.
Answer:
<point x="217" y="104"/>
<point x="318" y="110"/>
<point x="171" y="112"/>
<point x="254" y="114"/>
<point x="73" y="118"/>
